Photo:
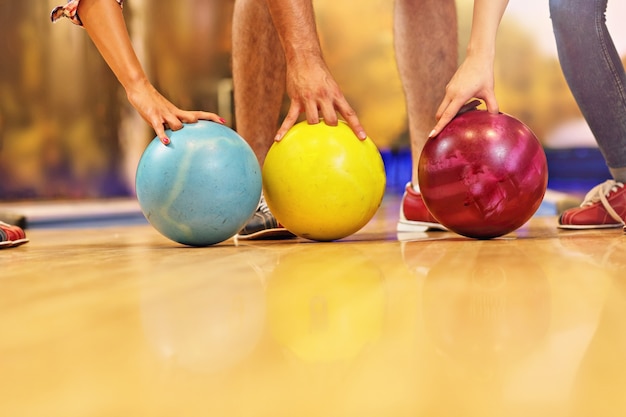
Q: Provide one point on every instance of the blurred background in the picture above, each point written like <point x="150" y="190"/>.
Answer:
<point x="67" y="131"/>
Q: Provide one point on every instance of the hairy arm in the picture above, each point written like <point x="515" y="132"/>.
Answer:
<point x="310" y="85"/>
<point x="475" y="77"/>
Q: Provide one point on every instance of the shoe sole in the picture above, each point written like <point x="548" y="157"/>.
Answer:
<point x="19" y="242"/>
<point x="589" y="227"/>
<point x="268" y="234"/>
<point x="12" y="243"/>
<point x="409" y="226"/>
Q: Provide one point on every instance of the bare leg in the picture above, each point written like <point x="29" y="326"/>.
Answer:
<point x="426" y="43"/>
<point x="258" y="75"/>
<point x="259" y="72"/>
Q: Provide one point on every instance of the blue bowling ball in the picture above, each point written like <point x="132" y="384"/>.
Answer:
<point x="200" y="189"/>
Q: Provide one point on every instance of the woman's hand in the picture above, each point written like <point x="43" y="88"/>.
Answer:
<point x="160" y="113"/>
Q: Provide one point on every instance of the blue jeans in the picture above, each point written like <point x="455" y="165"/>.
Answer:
<point x="594" y="72"/>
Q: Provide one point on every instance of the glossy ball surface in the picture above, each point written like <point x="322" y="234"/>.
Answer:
<point x="484" y="175"/>
<point x="322" y="182"/>
<point x="201" y="188"/>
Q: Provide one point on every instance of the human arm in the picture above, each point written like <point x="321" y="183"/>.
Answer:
<point x="475" y="76"/>
<point x="104" y="22"/>
<point x="310" y="85"/>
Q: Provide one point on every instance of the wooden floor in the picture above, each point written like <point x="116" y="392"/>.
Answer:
<point x="118" y="321"/>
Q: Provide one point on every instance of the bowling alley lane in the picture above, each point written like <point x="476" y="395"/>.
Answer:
<point x="119" y="321"/>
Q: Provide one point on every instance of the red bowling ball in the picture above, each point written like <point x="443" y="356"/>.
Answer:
<point x="484" y="175"/>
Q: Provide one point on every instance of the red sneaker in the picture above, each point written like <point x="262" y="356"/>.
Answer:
<point x="4" y="239"/>
<point x="414" y="216"/>
<point x="15" y="235"/>
<point x="603" y="207"/>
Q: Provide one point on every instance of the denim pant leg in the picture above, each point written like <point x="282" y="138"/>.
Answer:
<point x="594" y="72"/>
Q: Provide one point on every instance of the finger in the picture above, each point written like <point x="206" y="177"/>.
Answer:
<point x="174" y="123"/>
<point x="312" y="114"/>
<point x="328" y="113"/>
<point x="446" y="116"/>
<point x="290" y="120"/>
<point x="188" y="116"/>
<point x="205" y="115"/>
<point x="443" y="106"/>
<point x="492" y="104"/>
<point x="160" y="132"/>
<point x="349" y="115"/>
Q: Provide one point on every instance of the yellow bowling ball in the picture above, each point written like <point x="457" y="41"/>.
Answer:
<point x="321" y="182"/>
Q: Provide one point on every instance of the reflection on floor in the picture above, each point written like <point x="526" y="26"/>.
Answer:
<point x="118" y="320"/>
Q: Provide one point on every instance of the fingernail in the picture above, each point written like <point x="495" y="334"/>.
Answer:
<point x="166" y="141"/>
<point x="362" y="135"/>
<point x="432" y="133"/>
<point x="277" y="138"/>
<point x="222" y="120"/>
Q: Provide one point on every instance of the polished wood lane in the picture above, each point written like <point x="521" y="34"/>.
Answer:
<point x="119" y="321"/>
